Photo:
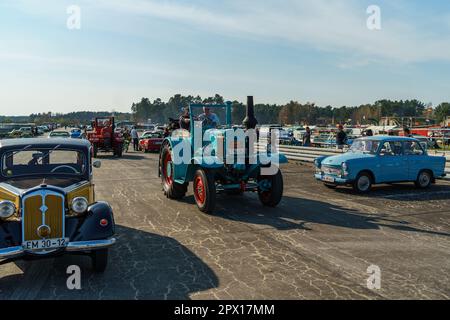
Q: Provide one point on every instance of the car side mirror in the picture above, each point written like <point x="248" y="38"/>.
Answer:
<point x="97" y="164"/>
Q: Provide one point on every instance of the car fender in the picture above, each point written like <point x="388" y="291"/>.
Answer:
<point x="90" y="228"/>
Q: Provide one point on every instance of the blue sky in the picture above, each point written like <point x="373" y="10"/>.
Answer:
<point x="306" y="50"/>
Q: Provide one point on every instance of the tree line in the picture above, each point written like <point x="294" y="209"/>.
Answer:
<point x="159" y="111"/>
<point x="295" y="112"/>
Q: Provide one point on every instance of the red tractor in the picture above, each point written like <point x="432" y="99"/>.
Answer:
<point x="104" y="137"/>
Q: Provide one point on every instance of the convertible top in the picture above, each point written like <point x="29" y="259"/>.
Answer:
<point x="44" y="143"/>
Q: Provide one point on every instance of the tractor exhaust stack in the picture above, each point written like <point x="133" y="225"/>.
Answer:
<point x="250" y="121"/>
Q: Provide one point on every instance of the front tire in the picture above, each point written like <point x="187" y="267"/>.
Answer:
<point x="204" y="190"/>
<point x="424" y="180"/>
<point x="363" y="183"/>
<point x="99" y="260"/>
<point x="171" y="189"/>
<point x="274" y="194"/>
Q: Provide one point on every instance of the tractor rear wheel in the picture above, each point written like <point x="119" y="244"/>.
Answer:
<point x="204" y="190"/>
<point x="271" y="195"/>
<point x="171" y="189"/>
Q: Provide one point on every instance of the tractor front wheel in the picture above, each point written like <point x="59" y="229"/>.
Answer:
<point x="204" y="190"/>
<point x="171" y="189"/>
<point x="270" y="189"/>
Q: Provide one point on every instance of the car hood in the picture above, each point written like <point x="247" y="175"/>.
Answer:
<point x="339" y="159"/>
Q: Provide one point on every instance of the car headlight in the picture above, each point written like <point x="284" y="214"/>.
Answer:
<point x="79" y="205"/>
<point x="7" y="209"/>
<point x="344" y="166"/>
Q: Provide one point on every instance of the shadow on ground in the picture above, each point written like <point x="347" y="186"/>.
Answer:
<point x="142" y="265"/>
<point x="298" y="213"/>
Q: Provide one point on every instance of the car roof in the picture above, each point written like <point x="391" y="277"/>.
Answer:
<point x="44" y="142"/>
<point x="390" y="138"/>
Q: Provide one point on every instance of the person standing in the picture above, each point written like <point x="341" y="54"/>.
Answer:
<point x="135" y="137"/>
<point x="307" y="138"/>
<point x="407" y="132"/>
<point x="341" y="137"/>
<point x="369" y="133"/>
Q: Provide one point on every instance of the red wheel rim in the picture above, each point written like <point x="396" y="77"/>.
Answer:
<point x="199" y="190"/>
<point x="167" y="169"/>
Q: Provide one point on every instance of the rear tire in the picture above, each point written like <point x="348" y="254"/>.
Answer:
<point x="95" y="151"/>
<point x="204" y="190"/>
<point x="272" y="197"/>
<point x="363" y="183"/>
<point x="99" y="260"/>
<point x="424" y="180"/>
<point x="171" y="189"/>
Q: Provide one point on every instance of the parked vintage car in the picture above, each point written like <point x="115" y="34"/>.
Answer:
<point x="76" y="133"/>
<point x="59" y="134"/>
<point x="381" y="159"/>
<point x="47" y="202"/>
<point x="151" y="141"/>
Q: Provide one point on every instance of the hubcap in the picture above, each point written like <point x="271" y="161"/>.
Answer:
<point x="424" y="179"/>
<point x="363" y="183"/>
<point x="167" y="169"/>
<point x="199" y="190"/>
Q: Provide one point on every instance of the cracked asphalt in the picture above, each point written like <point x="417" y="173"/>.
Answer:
<point x="318" y="244"/>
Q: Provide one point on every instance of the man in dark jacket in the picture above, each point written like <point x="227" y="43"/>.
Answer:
<point x="341" y="137"/>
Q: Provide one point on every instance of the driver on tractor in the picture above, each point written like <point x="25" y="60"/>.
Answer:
<point x="209" y="118"/>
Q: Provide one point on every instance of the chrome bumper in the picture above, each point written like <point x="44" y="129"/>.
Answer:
<point x="14" y="252"/>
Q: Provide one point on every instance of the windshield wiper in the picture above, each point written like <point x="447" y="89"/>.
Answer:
<point x="48" y="153"/>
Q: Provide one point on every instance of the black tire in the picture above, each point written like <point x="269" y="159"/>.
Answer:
<point x="204" y="190"/>
<point x="172" y="190"/>
<point x="99" y="260"/>
<point x="95" y="151"/>
<point x="363" y="183"/>
<point x="272" y="197"/>
<point x="424" y="179"/>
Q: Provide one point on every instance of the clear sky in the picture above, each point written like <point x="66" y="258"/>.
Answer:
<point x="307" y="50"/>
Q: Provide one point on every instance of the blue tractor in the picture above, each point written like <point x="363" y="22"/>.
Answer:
<point x="203" y="156"/>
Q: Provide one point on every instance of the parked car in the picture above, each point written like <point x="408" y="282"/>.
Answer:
<point x="151" y="141"/>
<point x="381" y="159"/>
<point x="47" y="202"/>
<point x="59" y="134"/>
<point x="76" y="133"/>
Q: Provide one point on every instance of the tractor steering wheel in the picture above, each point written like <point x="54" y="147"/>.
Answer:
<point x="64" y="167"/>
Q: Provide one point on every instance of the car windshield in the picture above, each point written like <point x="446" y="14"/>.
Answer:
<point x="43" y="162"/>
<point x="365" y="146"/>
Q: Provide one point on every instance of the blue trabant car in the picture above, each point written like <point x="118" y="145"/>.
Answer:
<point x="380" y="159"/>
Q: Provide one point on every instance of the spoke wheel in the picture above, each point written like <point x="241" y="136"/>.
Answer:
<point x="205" y="190"/>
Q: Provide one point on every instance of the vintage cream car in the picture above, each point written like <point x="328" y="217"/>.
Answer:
<point x="47" y="202"/>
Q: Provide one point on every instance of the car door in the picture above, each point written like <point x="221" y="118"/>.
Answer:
<point x="392" y="163"/>
<point x="417" y="159"/>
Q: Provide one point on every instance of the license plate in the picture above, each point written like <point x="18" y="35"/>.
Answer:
<point x="158" y="142"/>
<point x="45" y="244"/>
<point x="328" y="179"/>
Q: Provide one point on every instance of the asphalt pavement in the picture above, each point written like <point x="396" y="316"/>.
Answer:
<point x="318" y="244"/>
